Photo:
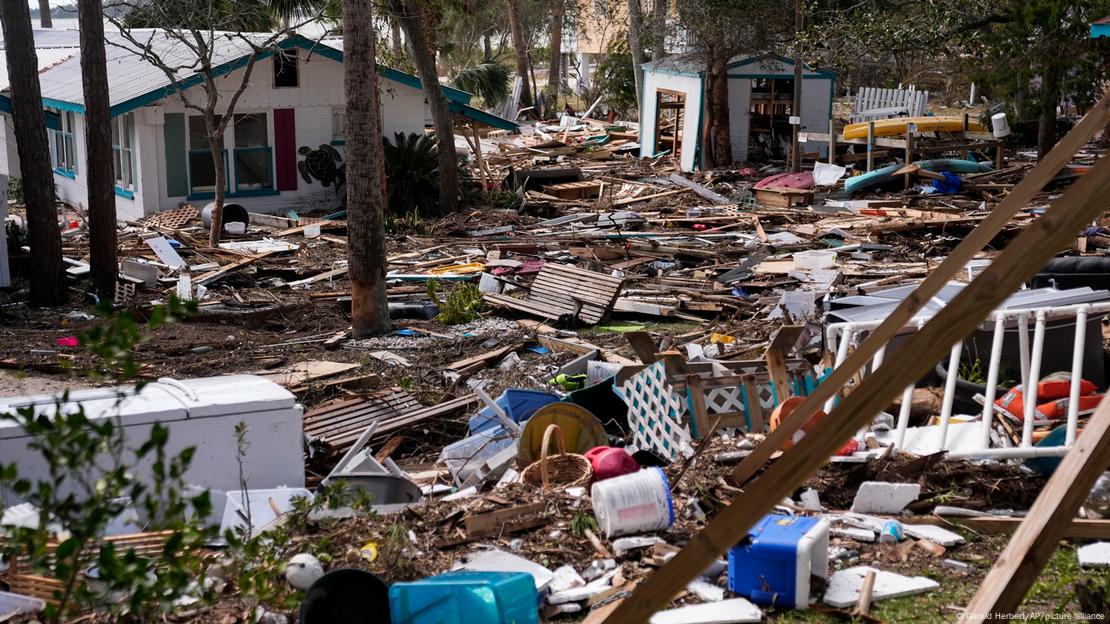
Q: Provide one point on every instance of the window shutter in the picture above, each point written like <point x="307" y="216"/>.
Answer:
<point x="177" y="173"/>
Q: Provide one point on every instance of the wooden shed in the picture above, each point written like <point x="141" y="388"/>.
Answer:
<point x="760" y="90"/>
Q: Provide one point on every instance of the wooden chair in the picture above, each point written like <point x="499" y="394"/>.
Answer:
<point x="562" y="291"/>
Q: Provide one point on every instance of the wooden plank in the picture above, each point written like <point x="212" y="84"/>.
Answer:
<point x="492" y="522"/>
<point x="1017" y="568"/>
<point x="755" y="408"/>
<point x="643" y="345"/>
<point x="776" y="366"/>
<point x="1085" y="529"/>
<point x="697" y="406"/>
<point x="484" y="357"/>
<point x="1020" y="261"/>
<point x="936" y="279"/>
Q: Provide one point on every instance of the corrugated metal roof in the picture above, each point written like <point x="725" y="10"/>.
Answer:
<point x="131" y="74"/>
<point x="51" y="47"/>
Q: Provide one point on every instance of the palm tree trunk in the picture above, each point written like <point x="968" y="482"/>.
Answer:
<point x="395" y="40"/>
<point x="659" y="34"/>
<point x="555" y="73"/>
<point x="636" y="45"/>
<point x="47" y="278"/>
<point x="521" y="53"/>
<point x="45" y="19"/>
<point x="718" y="112"/>
<point x="366" y="201"/>
<point x="98" y="148"/>
<point x="411" y="14"/>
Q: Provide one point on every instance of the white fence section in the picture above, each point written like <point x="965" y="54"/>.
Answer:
<point x="872" y="103"/>
<point x="841" y="335"/>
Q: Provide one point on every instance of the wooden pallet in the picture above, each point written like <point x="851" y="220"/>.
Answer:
<point x="574" y="190"/>
<point x="782" y="197"/>
<point x="561" y="290"/>
<point x="172" y="219"/>
<point x="339" y="423"/>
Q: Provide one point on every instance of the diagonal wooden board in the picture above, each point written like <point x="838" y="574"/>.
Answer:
<point x="1027" y="254"/>
<point x="1017" y="568"/>
<point x="975" y="241"/>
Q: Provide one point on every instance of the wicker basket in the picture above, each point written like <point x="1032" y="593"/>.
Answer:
<point x="564" y="470"/>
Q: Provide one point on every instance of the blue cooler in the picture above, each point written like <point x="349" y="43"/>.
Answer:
<point x="465" y="597"/>
<point x="773" y="564"/>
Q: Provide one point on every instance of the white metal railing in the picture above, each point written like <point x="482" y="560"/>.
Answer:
<point x="840" y="336"/>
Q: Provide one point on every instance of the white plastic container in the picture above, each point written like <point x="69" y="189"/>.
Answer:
<point x="814" y="259"/>
<point x="633" y="503"/>
<point x="999" y="126"/>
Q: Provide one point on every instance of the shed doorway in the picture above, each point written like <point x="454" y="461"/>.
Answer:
<point x="769" y="131"/>
<point x="670" y="107"/>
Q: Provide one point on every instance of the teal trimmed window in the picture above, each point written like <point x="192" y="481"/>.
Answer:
<point x="63" y="149"/>
<point x="123" y="133"/>
<point x="202" y="168"/>
<point x="252" y="155"/>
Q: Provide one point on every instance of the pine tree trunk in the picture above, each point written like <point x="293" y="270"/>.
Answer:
<point x="521" y="53"/>
<point x="555" y="73"/>
<point x="487" y="47"/>
<point x="98" y="148"/>
<point x="636" y="45"/>
<point x="47" y="279"/>
<point x="411" y="15"/>
<point x="366" y="201"/>
<point x="1046" y="121"/>
<point x="216" y="146"/>
<point x="46" y="20"/>
<point x="659" y="37"/>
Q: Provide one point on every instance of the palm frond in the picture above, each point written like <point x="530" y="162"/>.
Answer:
<point x="489" y="81"/>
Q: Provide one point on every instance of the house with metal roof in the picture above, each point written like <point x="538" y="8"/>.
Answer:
<point x="760" y="99"/>
<point x="282" y="149"/>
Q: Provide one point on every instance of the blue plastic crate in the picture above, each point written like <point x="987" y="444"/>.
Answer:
<point x="466" y="598"/>
<point x="517" y="403"/>
<point x="773" y="564"/>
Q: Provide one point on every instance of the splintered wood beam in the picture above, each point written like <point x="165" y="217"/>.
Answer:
<point x="1019" y="565"/>
<point x="1020" y="261"/>
<point x="974" y="242"/>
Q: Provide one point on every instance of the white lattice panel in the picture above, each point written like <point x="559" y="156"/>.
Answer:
<point x="720" y="400"/>
<point x="656" y="414"/>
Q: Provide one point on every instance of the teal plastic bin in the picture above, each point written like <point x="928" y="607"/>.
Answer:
<point x="466" y="598"/>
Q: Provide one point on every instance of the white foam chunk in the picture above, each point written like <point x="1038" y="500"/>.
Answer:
<point x="940" y="535"/>
<point x="844" y="586"/>
<point x="1095" y="555"/>
<point x="730" y="611"/>
<point x="861" y="535"/>
<point x="708" y="592"/>
<point x="882" y="497"/>
<point x="501" y="561"/>
<point x="566" y="577"/>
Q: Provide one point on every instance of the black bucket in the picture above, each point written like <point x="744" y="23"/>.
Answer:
<point x="346" y="596"/>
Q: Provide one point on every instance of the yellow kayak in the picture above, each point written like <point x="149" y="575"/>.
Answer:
<point x="897" y="126"/>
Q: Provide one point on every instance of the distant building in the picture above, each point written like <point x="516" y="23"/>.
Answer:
<point x="760" y="96"/>
<point x="281" y="149"/>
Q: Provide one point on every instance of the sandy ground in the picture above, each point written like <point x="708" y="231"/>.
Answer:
<point x="17" y="384"/>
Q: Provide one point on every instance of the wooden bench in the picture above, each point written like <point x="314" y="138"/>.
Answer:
<point x="561" y="291"/>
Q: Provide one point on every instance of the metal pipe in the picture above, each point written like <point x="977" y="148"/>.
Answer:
<point x="1023" y="347"/>
<point x="992" y="379"/>
<point x="841" y="355"/>
<point x="903" y="417"/>
<point x="1030" y="389"/>
<point x="1076" y="375"/>
<point x="950" y="392"/>
<point x="1010" y="453"/>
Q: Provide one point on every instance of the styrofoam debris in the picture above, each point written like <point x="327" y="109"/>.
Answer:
<point x="733" y="610"/>
<point x="882" y="497"/>
<point x="469" y="492"/>
<point x="862" y="535"/>
<point x="501" y="561"/>
<point x="940" y="535"/>
<point x="566" y="577"/>
<point x="811" y="500"/>
<point x="625" y="544"/>
<point x="566" y="607"/>
<point x="576" y="594"/>
<point x="845" y="585"/>
<point x="962" y="566"/>
<point x="1095" y="555"/>
<point x="708" y="592"/>
<point x="597" y="568"/>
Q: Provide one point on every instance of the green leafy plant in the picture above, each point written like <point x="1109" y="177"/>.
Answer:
<point x="15" y="190"/>
<point x="412" y="174"/>
<point x="84" y="481"/>
<point x="581" y="522"/>
<point x="619" y="78"/>
<point x="461" y="304"/>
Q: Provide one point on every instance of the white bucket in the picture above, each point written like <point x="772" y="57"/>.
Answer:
<point x="633" y="503"/>
<point x="999" y="125"/>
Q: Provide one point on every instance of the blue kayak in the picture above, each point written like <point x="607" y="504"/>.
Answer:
<point x="886" y="174"/>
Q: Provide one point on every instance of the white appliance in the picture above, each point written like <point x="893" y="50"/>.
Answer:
<point x="198" y="412"/>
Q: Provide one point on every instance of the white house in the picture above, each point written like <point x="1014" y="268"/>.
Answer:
<point x="760" y="95"/>
<point x="281" y="148"/>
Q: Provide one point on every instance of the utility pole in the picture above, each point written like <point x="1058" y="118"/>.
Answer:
<point x="796" y="106"/>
